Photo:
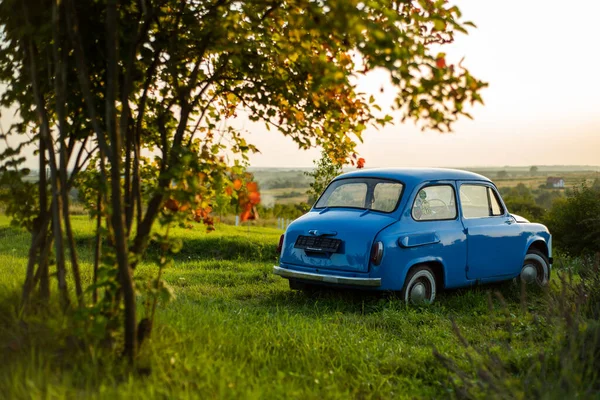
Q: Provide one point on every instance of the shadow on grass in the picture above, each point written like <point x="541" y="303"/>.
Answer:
<point x="448" y="303"/>
<point x="208" y="248"/>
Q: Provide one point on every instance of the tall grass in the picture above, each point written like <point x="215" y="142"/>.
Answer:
<point x="566" y="367"/>
<point x="235" y="330"/>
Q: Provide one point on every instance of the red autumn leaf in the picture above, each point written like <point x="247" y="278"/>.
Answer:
<point x="254" y="198"/>
<point x="247" y="213"/>
<point x="172" y="205"/>
<point x="360" y="163"/>
<point x="252" y="187"/>
<point x="228" y="190"/>
<point x="237" y="184"/>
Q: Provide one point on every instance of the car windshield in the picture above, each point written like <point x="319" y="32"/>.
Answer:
<point x="364" y="193"/>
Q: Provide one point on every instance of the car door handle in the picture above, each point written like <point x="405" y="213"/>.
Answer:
<point x="316" y="232"/>
<point x="509" y="222"/>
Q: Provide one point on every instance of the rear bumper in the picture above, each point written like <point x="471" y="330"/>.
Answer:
<point x="342" y="280"/>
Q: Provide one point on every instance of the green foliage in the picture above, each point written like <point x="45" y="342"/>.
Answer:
<point x="324" y="172"/>
<point x="575" y="221"/>
<point x="519" y="200"/>
<point x="18" y="198"/>
<point x="98" y="84"/>
<point x="235" y="330"/>
<point x="568" y="365"/>
<point x="287" y="211"/>
<point x="533" y="170"/>
<point x="546" y="198"/>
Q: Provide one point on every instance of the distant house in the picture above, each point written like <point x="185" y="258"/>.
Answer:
<point x="554" y="182"/>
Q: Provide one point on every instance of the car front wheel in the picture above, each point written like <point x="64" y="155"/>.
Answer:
<point x="419" y="286"/>
<point x="536" y="268"/>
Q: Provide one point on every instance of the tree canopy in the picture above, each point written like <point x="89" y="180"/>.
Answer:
<point x="130" y="100"/>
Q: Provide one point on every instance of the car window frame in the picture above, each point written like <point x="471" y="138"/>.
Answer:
<point x="497" y="197"/>
<point x="400" y="195"/>
<point x="488" y="186"/>
<point x="426" y="185"/>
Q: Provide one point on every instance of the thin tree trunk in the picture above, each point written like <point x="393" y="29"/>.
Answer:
<point x="59" y="87"/>
<point x="136" y="186"/>
<point x="38" y="228"/>
<point x="45" y="134"/>
<point x="129" y="202"/>
<point x="98" y="240"/>
<point x="43" y="267"/>
<point x="117" y="219"/>
<point x="35" y="248"/>
<point x="72" y="248"/>
<point x="43" y="192"/>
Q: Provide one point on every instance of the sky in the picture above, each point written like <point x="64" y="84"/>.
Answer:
<point x="541" y="59"/>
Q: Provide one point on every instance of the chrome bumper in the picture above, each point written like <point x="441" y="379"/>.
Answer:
<point x="342" y="280"/>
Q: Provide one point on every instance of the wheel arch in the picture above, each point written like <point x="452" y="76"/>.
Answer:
<point x="436" y="265"/>
<point x="538" y="243"/>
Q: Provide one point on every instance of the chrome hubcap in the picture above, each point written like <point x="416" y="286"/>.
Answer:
<point x="529" y="273"/>
<point x="418" y="293"/>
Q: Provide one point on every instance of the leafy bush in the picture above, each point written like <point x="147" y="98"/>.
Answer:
<point x="519" y="200"/>
<point x="575" y="221"/>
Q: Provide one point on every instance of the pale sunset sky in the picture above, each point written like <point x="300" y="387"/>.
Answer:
<point x="541" y="59"/>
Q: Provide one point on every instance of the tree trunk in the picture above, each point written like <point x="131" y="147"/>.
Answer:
<point x="98" y="243"/>
<point x="39" y="228"/>
<point x="45" y="135"/>
<point x="117" y="220"/>
<point x="59" y="54"/>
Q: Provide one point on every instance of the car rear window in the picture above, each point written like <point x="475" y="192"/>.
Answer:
<point x="363" y="193"/>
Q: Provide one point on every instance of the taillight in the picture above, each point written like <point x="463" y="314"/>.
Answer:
<point x="377" y="253"/>
<point x="280" y="245"/>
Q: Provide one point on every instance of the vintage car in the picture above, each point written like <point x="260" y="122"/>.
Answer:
<point x="416" y="231"/>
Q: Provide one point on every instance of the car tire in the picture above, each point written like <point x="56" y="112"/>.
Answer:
<point x="535" y="269"/>
<point x="419" y="286"/>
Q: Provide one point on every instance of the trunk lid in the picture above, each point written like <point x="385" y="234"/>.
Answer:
<point x="336" y="239"/>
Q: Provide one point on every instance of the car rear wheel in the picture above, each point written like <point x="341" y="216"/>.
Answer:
<point x="419" y="286"/>
<point x="536" y="268"/>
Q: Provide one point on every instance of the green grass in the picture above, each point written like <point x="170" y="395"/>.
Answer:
<point x="236" y="331"/>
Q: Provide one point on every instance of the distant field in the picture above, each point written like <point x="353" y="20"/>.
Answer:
<point x="284" y="196"/>
<point x="533" y="182"/>
<point x="277" y="183"/>
<point x="235" y="330"/>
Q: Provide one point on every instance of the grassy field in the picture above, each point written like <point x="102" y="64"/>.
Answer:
<point x="235" y="330"/>
<point x="533" y="182"/>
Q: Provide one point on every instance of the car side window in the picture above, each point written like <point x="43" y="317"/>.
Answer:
<point x="434" y="203"/>
<point x="478" y="201"/>
<point x="495" y="203"/>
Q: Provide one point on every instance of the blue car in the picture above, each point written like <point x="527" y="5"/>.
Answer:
<point x="416" y="231"/>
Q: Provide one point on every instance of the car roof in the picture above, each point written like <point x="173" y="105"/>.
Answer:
<point x="415" y="176"/>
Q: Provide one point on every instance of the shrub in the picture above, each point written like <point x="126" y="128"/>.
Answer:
<point x="575" y="221"/>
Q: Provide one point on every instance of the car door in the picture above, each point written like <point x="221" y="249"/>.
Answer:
<point x="494" y="239"/>
<point x="436" y="232"/>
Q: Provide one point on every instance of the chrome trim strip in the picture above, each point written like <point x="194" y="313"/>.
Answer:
<point x="342" y="280"/>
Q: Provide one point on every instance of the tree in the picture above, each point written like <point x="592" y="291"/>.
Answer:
<point x="502" y="174"/>
<point x="533" y="170"/>
<point x="98" y="84"/>
<point x="324" y="172"/>
<point x="574" y="221"/>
